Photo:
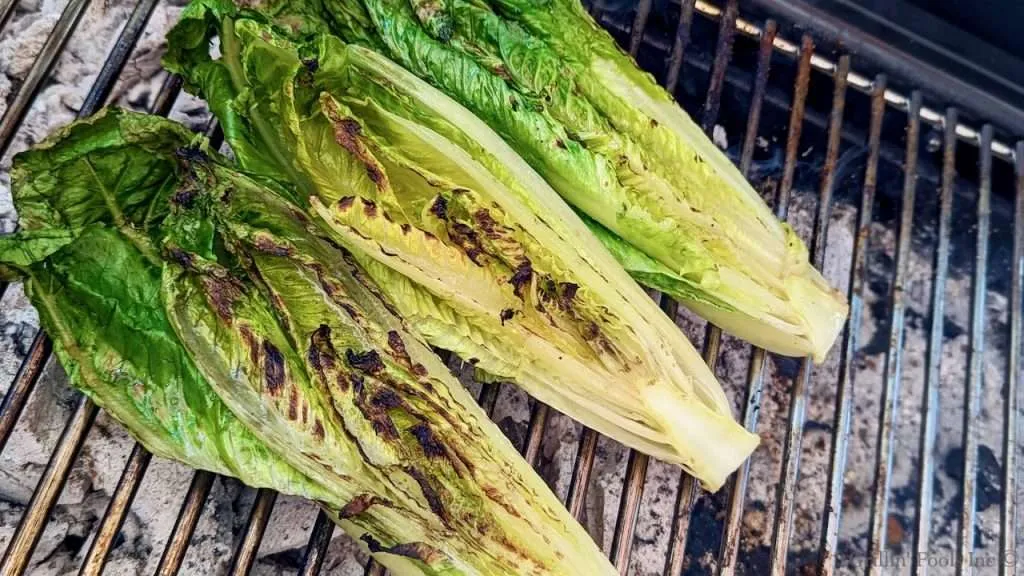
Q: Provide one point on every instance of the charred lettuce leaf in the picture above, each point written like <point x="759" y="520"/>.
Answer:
<point x="229" y="335"/>
<point x="617" y="148"/>
<point x="463" y="236"/>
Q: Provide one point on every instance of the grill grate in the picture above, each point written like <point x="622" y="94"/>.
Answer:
<point x="673" y="53"/>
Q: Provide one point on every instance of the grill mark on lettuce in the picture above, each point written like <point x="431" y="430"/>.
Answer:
<point x="370" y="208"/>
<point x="251" y="344"/>
<point x="273" y="368"/>
<point x="222" y="295"/>
<point x="368" y="362"/>
<point x="361" y="503"/>
<point x="522" y="277"/>
<point x="415" y="550"/>
<point x="428" y="441"/>
<point x="348" y="134"/>
<point x="293" y="403"/>
<point x="494" y="495"/>
<point x="266" y="244"/>
<point x="465" y="237"/>
<point x="439" y="207"/>
<point x="506" y="314"/>
<point x="324" y="359"/>
<point x="431" y="495"/>
<point x="398" y="347"/>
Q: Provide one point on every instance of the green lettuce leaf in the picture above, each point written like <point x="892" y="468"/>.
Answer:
<point x="399" y="173"/>
<point x="317" y="384"/>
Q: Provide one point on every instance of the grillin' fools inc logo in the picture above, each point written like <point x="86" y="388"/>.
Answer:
<point x="947" y="559"/>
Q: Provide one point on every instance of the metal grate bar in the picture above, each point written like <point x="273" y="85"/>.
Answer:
<point x="686" y="499"/>
<point x="796" y="125"/>
<point x="755" y="380"/>
<point x="245" y="554"/>
<point x="1008" y="516"/>
<point x="629" y="506"/>
<point x="185" y="525"/>
<point x="319" y="540"/>
<point x="689" y="489"/>
<point x="734" y="512"/>
<point x="930" y="407"/>
<point x="723" y="53"/>
<point x="107" y="77"/>
<point x="764" y="62"/>
<point x="40" y="70"/>
<point x="972" y="408"/>
<point x="894" y="355"/>
<point x="581" y="472"/>
<point x="489" y="397"/>
<point x="857" y="285"/>
<point x="535" y="432"/>
<point x="636" y="32"/>
<point x="25" y="538"/>
<point x="682" y="38"/>
<point x="791" y="450"/>
<point x="798" y="405"/>
<point x="6" y="9"/>
<point x="24" y="382"/>
<point x="117" y="510"/>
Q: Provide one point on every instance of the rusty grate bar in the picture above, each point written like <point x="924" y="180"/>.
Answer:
<point x="25" y="538"/>
<point x="24" y="382"/>
<point x="581" y="472"/>
<point x="629" y="507"/>
<point x="764" y="63"/>
<point x="860" y="82"/>
<point x="185" y="524"/>
<point x="682" y="39"/>
<point x="113" y="518"/>
<point x="894" y="355"/>
<point x="1008" y="514"/>
<point x="535" y="432"/>
<point x="976" y="374"/>
<point x="636" y="33"/>
<point x="259" y="516"/>
<point x="782" y="525"/>
<point x="723" y="53"/>
<point x="755" y="380"/>
<point x="15" y="113"/>
<point x="6" y="9"/>
<point x="791" y="450"/>
<point x="686" y="499"/>
<point x="931" y="404"/>
<point x="856" y="288"/>
<point x="319" y="540"/>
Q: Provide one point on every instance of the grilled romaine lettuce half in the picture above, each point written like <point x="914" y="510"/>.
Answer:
<point x="194" y="303"/>
<point x="463" y="237"/>
<point x="618" y="148"/>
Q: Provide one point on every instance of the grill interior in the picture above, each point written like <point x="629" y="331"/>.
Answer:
<point x="899" y="454"/>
